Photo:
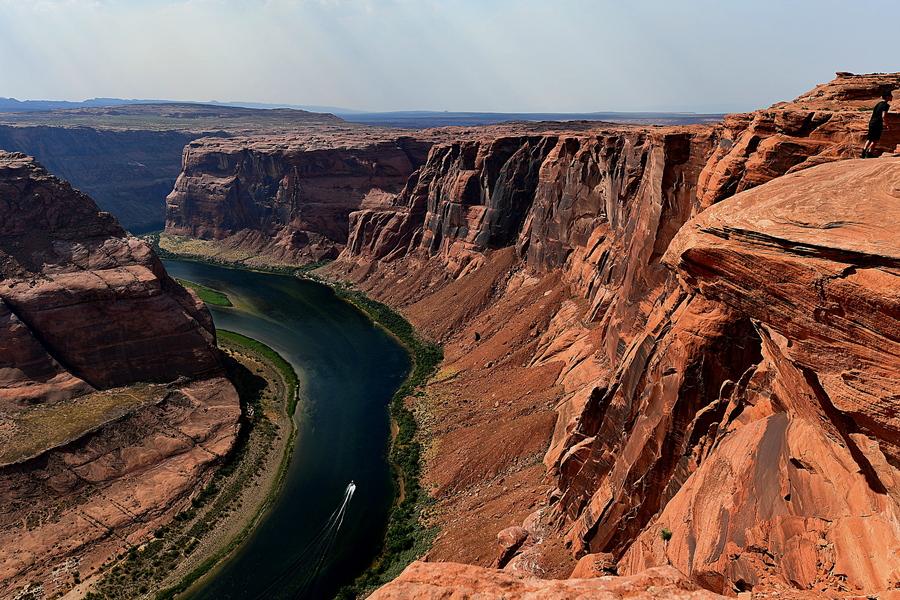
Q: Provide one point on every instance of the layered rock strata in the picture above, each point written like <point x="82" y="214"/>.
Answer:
<point x="127" y="173"/>
<point x="79" y="299"/>
<point x="283" y="196"/>
<point x="67" y="511"/>
<point x="288" y="198"/>
<point x="113" y="406"/>
<point x="798" y="474"/>
<point x="127" y="157"/>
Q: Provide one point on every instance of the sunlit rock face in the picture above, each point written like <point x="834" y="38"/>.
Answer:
<point x="799" y="480"/>
<point x="663" y="345"/>
<point x="449" y="580"/>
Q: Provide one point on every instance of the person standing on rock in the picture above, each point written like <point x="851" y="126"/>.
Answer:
<point x="877" y="123"/>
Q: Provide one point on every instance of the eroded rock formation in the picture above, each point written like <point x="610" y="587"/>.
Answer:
<point x="127" y="157"/>
<point x="796" y="478"/>
<point x="112" y="401"/>
<point x="823" y="125"/>
<point x="80" y="296"/>
<point x="623" y="381"/>
<point x="446" y="581"/>
<point x="72" y="507"/>
<point x="127" y="173"/>
<point x="287" y="197"/>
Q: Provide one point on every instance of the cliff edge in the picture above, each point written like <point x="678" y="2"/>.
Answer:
<point x="113" y="404"/>
<point x="797" y="474"/>
<point x="545" y="265"/>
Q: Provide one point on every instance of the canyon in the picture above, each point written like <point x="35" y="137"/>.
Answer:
<point x="287" y="197"/>
<point x="114" y="407"/>
<point x="671" y="353"/>
<point x="665" y="347"/>
<point x="127" y="154"/>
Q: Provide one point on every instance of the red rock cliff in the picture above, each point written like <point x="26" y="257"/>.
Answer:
<point x="797" y="476"/>
<point x="79" y="299"/>
<point x="611" y="372"/>
<point x="670" y="389"/>
<point x="286" y="196"/>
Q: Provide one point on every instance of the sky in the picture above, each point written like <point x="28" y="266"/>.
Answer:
<point x="458" y="55"/>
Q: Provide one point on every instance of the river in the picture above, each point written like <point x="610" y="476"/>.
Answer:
<point x="350" y="369"/>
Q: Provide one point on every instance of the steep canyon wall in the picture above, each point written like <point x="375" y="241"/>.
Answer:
<point x="284" y="197"/>
<point x="128" y="173"/>
<point x="656" y="377"/>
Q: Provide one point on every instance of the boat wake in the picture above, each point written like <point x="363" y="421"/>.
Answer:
<point x="313" y="556"/>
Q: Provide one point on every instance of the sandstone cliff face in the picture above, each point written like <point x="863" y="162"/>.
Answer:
<point x="82" y="299"/>
<point x="127" y="157"/>
<point x="598" y="219"/>
<point x="714" y="401"/>
<point x="284" y="196"/>
<point x="796" y="478"/>
<point x="93" y="454"/>
<point x="827" y="123"/>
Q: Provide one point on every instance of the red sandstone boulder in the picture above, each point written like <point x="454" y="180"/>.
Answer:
<point x="600" y="564"/>
<point x="510" y="541"/>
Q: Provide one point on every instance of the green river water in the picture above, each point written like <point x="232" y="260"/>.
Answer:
<point x="305" y="546"/>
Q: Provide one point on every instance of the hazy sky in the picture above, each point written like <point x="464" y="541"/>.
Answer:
<point x="483" y="55"/>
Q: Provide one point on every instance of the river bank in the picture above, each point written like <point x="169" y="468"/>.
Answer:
<point x="208" y="252"/>
<point x="220" y="517"/>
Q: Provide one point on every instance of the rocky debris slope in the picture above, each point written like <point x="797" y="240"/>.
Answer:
<point x="538" y="261"/>
<point x="84" y="307"/>
<point x="446" y="581"/>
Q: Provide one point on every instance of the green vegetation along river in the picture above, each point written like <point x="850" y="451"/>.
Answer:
<point x="321" y="531"/>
